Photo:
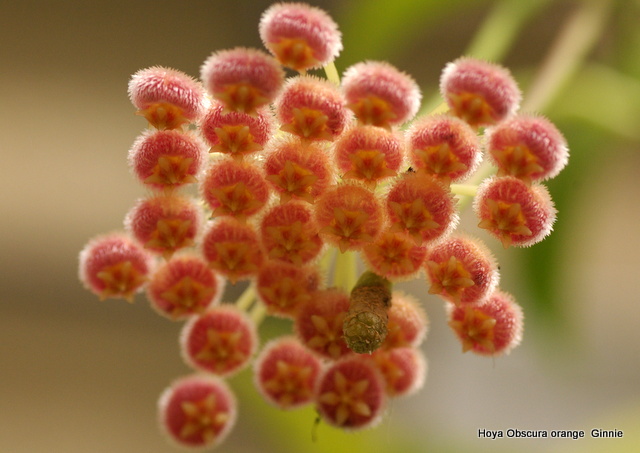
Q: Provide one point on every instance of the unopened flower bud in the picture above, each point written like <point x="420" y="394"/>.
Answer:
<point x="365" y="326"/>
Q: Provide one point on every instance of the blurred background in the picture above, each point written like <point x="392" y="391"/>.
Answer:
<point x="80" y="375"/>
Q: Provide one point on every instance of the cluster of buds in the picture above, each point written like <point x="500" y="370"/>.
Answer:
<point x="291" y="173"/>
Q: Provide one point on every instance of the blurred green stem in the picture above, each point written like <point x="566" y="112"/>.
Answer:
<point x="494" y="38"/>
<point x="500" y="28"/>
<point x="576" y="39"/>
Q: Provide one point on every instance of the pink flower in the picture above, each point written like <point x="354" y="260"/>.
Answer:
<point x="479" y="92"/>
<point x="380" y="94"/>
<point x="301" y="36"/>
<point x="114" y="266"/>
<point x="242" y="79"/>
<point x="166" y="97"/>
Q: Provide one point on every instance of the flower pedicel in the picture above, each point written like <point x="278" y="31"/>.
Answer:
<point x="298" y="177"/>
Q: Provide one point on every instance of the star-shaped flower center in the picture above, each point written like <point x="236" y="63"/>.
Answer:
<point x="373" y="110"/>
<point x="369" y="165"/>
<point x="241" y="97"/>
<point x="235" y="140"/>
<point x="440" y="161"/>
<point x="505" y="220"/>
<point x="236" y="200"/>
<point x="286" y="294"/>
<point x="120" y="280"/>
<point x="476" y="328"/>
<point x="202" y="419"/>
<point x="393" y="255"/>
<point x="295" y="53"/>
<point x="349" y="227"/>
<point x="290" y="384"/>
<point x="414" y="217"/>
<point x="292" y="243"/>
<point x="170" y="235"/>
<point x="348" y="397"/>
<point x="472" y="108"/>
<point x="162" y="115"/>
<point x="450" y="277"/>
<point x="328" y="334"/>
<point x="309" y="124"/>
<point x="222" y="350"/>
<point x="187" y="296"/>
<point x="517" y="161"/>
<point x="294" y="180"/>
<point x="171" y="171"/>
<point x="236" y="259"/>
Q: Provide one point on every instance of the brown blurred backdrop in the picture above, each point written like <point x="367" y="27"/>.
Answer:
<point x="79" y="375"/>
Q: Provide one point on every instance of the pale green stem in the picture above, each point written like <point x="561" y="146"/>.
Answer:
<point x="257" y="313"/>
<point x="345" y="273"/>
<point x="499" y="29"/>
<point x="485" y="170"/>
<point x="246" y="298"/>
<point x="468" y="190"/>
<point x="331" y="72"/>
<point x="326" y="260"/>
<point x="338" y="271"/>
<point x="351" y="270"/>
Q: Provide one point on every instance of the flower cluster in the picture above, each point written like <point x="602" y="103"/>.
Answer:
<point x="296" y="176"/>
